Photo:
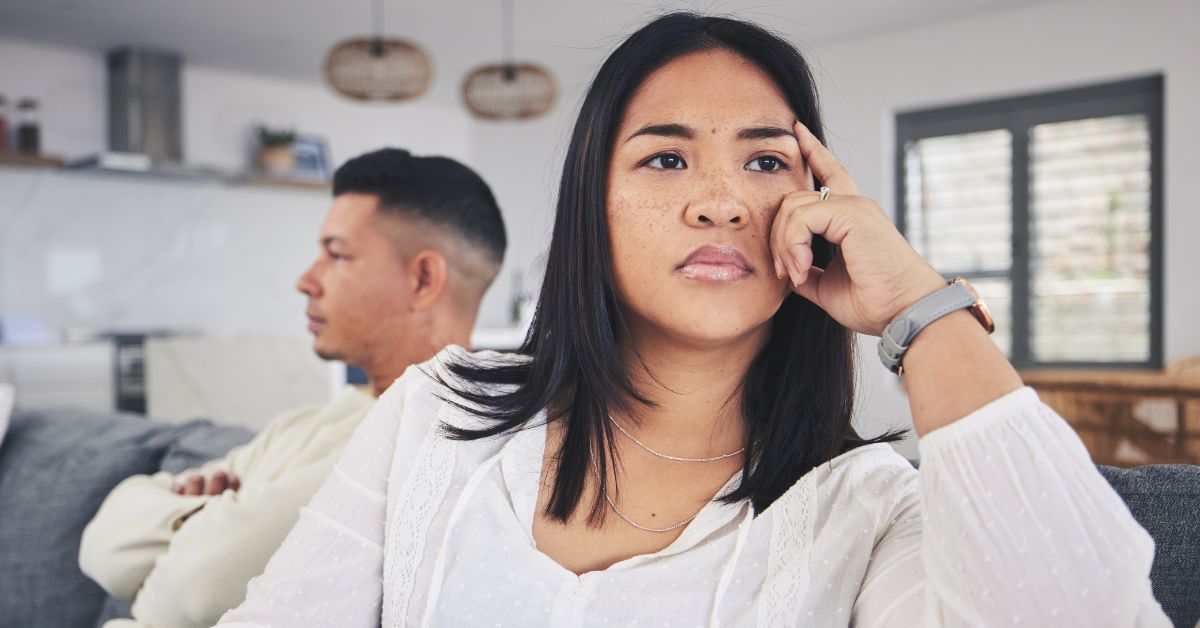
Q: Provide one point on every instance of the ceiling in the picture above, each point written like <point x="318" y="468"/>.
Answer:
<point x="289" y="38"/>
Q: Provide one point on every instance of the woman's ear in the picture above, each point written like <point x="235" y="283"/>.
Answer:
<point x="431" y="272"/>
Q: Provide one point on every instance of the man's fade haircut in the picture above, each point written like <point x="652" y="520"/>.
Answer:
<point x="438" y="190"/>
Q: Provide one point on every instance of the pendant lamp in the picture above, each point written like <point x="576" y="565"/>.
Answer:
<point x="509" y="90"/>
<point x="378" y="67"/>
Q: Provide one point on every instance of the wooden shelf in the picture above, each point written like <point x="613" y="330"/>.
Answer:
<point x="280" y="182"/>
<point x="32" y="161"/>
<point x="182" y="173"/>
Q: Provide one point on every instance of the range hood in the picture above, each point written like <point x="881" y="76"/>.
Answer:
<point x="145" y="116"/>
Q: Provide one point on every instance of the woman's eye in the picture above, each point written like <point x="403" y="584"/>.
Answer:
<point x="765" y="164"/>
<point x="666" y="161"/>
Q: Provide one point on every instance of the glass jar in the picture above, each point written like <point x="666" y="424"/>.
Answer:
<point x="4" y="145"/>
<point x="29" y="134"/>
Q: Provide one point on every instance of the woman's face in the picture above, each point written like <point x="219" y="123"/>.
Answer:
<point x="702" y="159"/>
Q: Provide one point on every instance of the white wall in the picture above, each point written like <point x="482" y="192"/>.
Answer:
<point x="866" y="81"/>
<point x="522" y="161"/>
<point x="86" y="250"/>
<point x="101" y="251"/>
<point x="70" y="87"/>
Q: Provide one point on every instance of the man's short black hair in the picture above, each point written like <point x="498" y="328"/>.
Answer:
<point x="437" y="189"/>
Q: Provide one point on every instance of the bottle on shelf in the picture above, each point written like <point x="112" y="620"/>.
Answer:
<point x="29" y="140"/>
<point x="3" y="124"/>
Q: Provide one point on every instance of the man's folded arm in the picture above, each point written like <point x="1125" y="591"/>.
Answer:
<point x="131" y="529"/>
<point x="208" y="562"/>
<point x="139" y="517"/>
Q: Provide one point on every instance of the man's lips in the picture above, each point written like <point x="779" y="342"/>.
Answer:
<point x="315" y="323"/>
<point x="715" y="263"/>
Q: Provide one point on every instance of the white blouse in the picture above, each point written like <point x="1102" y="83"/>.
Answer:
<point x="1007" y="523"/>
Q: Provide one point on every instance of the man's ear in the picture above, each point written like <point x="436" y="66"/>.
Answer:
<point x="431" y="273"/>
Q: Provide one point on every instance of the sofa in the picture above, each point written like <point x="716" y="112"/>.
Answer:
<point x="57" y="466"/>
<point x="1165" y="500"/>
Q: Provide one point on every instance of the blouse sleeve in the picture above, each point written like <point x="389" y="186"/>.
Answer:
<point x="1012" y="525"/>
<point x="328" y="572"/>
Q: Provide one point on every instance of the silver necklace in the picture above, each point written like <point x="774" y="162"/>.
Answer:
<point x="668" y="456"/>
<point x="613" y="505"/>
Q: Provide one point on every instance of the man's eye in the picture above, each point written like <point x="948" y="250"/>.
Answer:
<point x="765" y="164"/>
<point x="666" y="161"/>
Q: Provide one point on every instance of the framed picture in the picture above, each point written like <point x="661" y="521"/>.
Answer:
<point x="312" y="160"/>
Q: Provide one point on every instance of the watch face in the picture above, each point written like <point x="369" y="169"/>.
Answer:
<point x="979" y="310"/>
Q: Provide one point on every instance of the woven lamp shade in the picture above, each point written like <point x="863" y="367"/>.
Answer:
<point x="378" y="68"/>
<point x="509" y="91"/>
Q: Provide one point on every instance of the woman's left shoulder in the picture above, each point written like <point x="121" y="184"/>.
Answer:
<point x="869" y="472"/>
<point x="867" y="484"/>
<point x="448" y="382"/>
<point x="448" y="365"/>
<point x="867" y="461"/>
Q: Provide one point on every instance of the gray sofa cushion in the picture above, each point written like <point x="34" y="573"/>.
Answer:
<point x="56" y="467"/>
<point x="1165" y="499"/>
<point x="199" y="441"/>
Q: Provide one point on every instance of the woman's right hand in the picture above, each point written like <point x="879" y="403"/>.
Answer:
<point x="875" y="275"/>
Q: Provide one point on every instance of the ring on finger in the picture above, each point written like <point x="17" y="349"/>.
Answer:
<point x="824" y="193"/>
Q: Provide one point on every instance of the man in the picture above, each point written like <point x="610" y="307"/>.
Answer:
<point x="407" y="250"/>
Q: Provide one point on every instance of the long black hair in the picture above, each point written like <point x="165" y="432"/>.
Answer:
<point x="798" y="394"/>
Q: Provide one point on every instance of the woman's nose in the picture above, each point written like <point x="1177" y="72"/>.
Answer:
<point x="717" y="205"/>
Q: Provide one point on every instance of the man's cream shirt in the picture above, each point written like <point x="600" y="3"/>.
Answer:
<point x="186" y="559"/>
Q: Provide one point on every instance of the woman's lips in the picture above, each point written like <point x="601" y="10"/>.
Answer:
<point x="715" y="263"/>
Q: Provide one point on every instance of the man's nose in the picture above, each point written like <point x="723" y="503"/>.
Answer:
<point x="308" y="284"/>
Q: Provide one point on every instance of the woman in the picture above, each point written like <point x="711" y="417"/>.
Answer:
<point x="672" y="445"/>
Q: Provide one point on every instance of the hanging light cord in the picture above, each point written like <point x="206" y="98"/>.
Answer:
<point x="507" y="37"/>
<point x="377" y="46"/>
<point x="377" y="18"/>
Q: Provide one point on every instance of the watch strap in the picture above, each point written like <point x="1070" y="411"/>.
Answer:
<point x="899" y="334"/>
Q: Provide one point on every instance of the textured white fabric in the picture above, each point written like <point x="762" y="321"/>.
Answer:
<point x="1007" y="523"/>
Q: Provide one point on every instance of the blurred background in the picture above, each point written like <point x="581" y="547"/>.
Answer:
<point x="150" y="239"/>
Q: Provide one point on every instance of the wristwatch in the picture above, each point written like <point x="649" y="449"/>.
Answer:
<point x="899" y="334"/>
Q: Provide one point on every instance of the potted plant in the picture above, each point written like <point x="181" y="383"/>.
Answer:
<point x="275" y="155"/>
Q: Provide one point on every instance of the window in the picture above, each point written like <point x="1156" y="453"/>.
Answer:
<point x="1051" y="205"/>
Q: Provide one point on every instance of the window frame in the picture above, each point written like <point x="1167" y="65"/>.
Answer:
<point x="1018" y="115"/>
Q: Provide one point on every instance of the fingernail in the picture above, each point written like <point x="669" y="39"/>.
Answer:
<point x="778" y="269"/>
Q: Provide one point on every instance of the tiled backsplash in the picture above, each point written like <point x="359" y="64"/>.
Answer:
<point x="87" y="250"/>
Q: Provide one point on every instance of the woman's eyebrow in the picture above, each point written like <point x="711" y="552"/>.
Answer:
<point x="665" y="130"/>
<point x="764" y="133"/>
<point x="686" y="132"/>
